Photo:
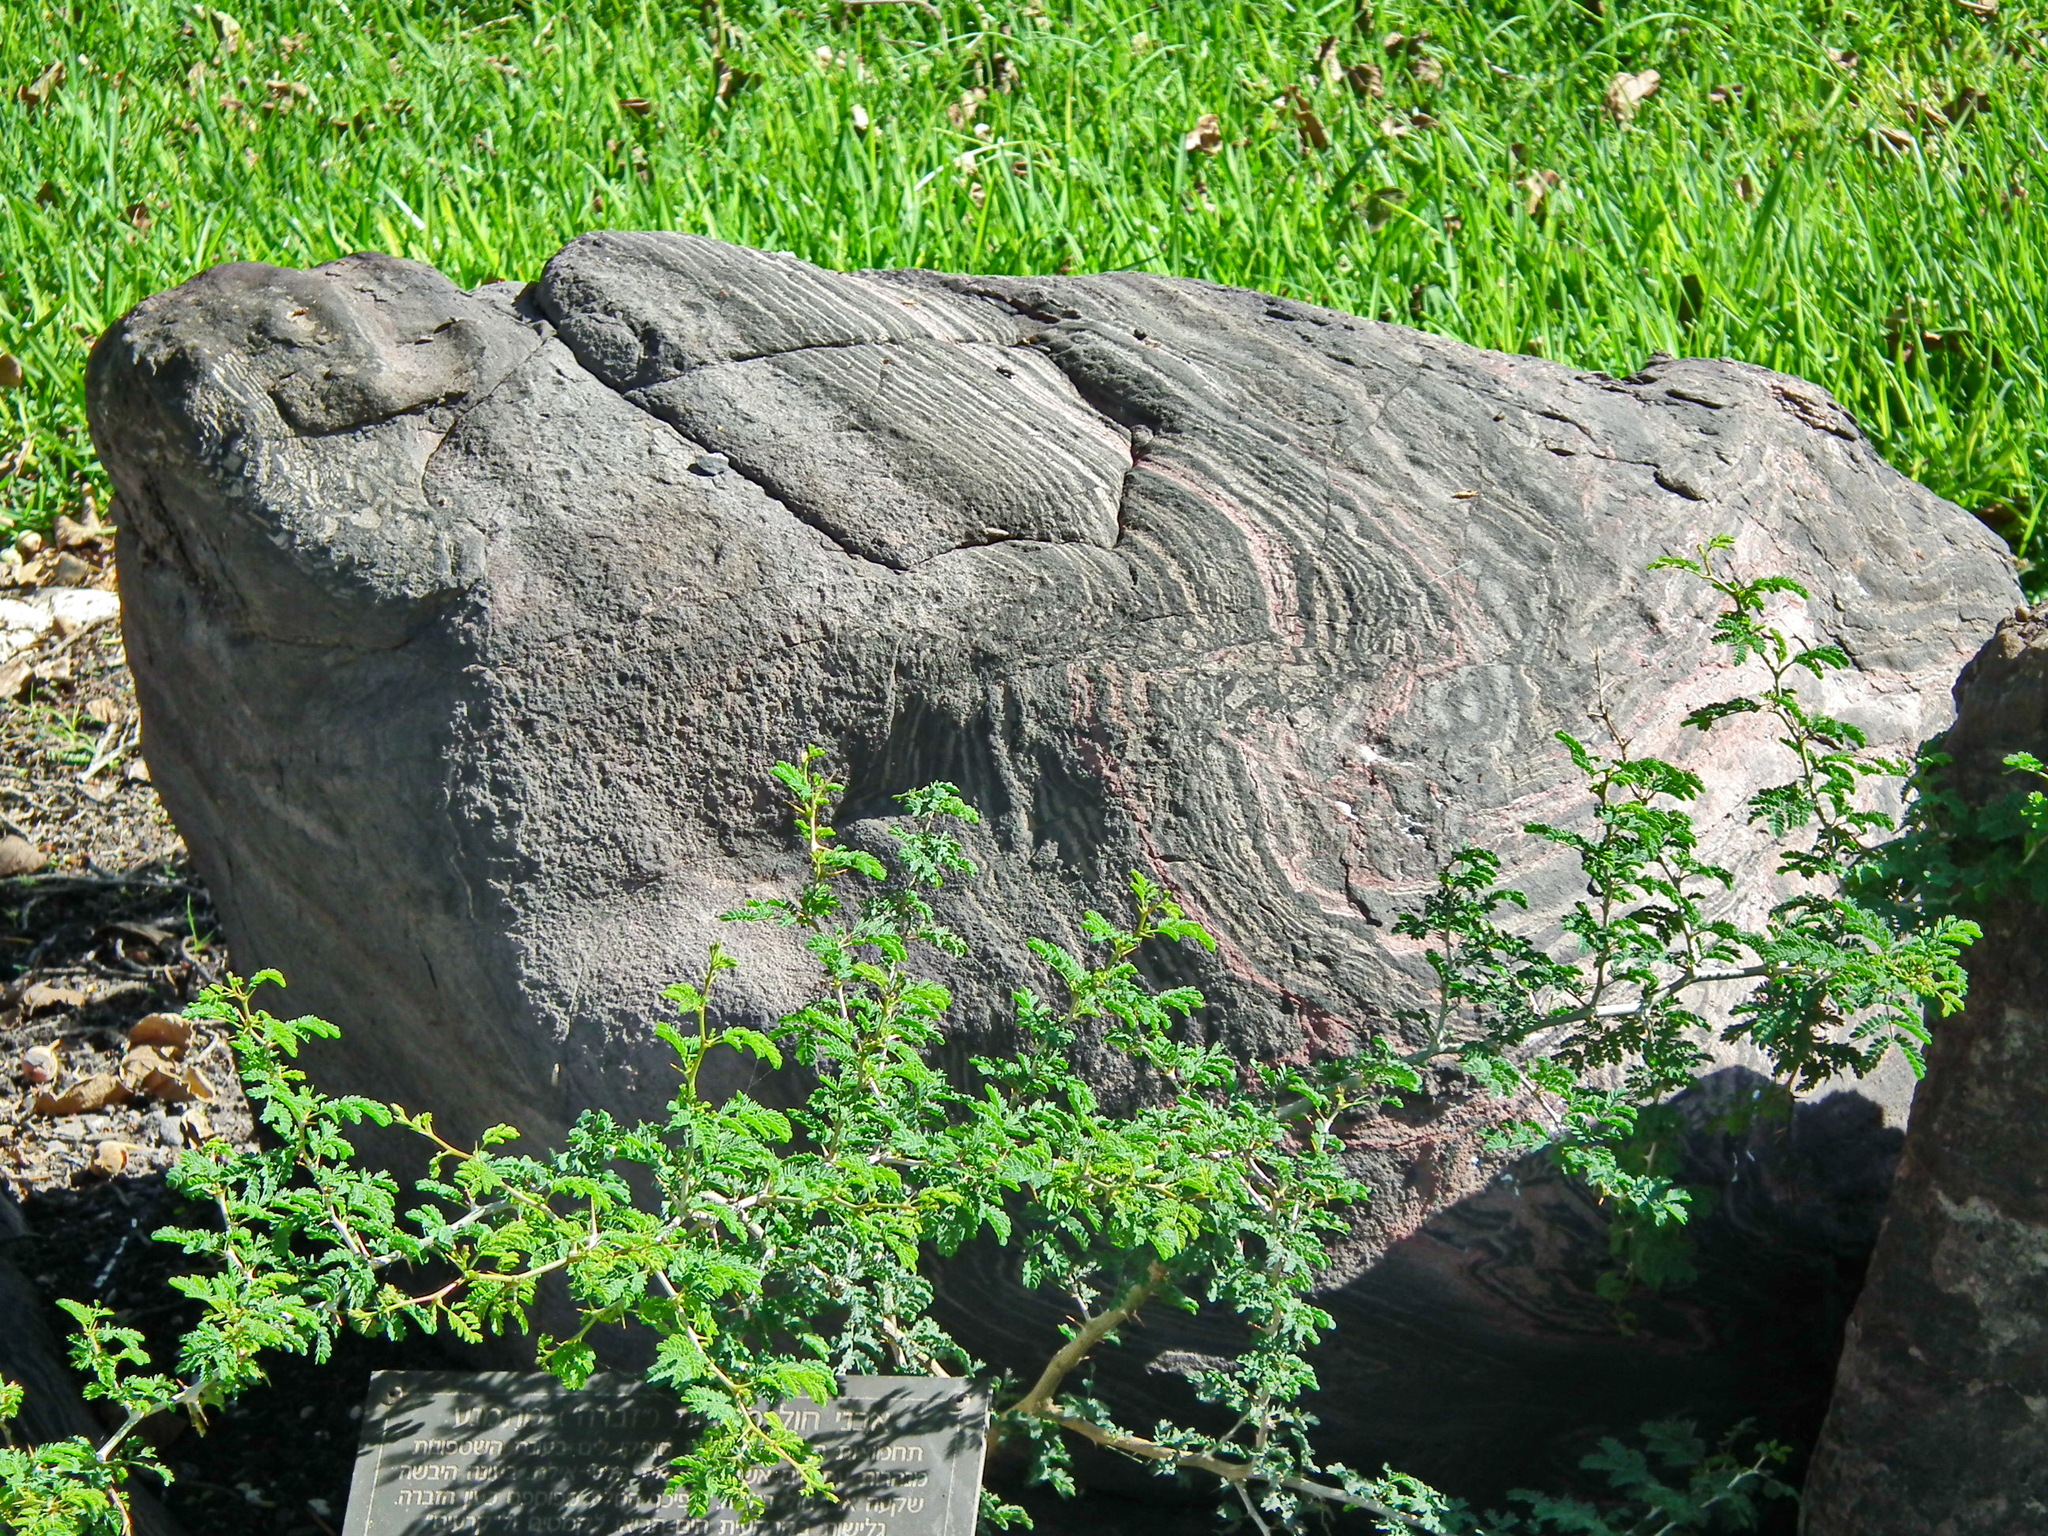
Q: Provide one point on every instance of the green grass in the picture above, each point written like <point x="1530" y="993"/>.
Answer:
<point x="1820" y="221"/>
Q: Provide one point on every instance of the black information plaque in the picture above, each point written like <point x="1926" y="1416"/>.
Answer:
<point x="515" y="1453"/>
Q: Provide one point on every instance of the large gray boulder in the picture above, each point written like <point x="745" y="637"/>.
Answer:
<point x="467" y="624"/>
<point x="1939" y="1421"/>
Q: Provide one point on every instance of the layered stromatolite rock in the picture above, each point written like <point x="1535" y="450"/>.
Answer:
<point x="466" y="625"/>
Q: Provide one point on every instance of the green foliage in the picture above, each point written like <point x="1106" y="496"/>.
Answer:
<point x="61" y="1489"/>
<point x="1671" y="1485"/>
<point x="1721" y="1489"/>
<point x="1854" y="196"/>
<point x="1961" y="854"/>
<point x="778" y="1248"/>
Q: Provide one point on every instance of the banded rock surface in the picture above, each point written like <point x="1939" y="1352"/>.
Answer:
<point x="466" y="625"/>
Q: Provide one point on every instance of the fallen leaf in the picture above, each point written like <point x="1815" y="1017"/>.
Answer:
<point x="1380" y="204"/>
<point x="1968" y="103"/>
<point x="40" y="1064"/>
<point x="227" y="29"/>
<point x="1539" y="186"/>
<point x="149" y="1071"/>
<point x="166" y="1030"/>
<point x="19" y="856"/>
<point x="1429" y="71"/>
<point x="161" y="939"/>
<point x="197" y="1128"/>
<point x="72" y="534"/>
<point x="1895" y="138"/>
<point x="1721" y="95"/>
<point x="139" y="1061"/>
<point x="11" y="373"/>
<point x="1983" y="10"/>
<point x="639" y="106"/>
<point x="1394" y="127"/>
<point x="82" y="1098"/>
<point x="41" y="995"/>
<point x="138" y="770"/>
<point x="1367" y="80"/>
<point x="1306" y="123"/>
<point x="48" y="195"/>
<point x="1206" y="137"/>
<point x="1692" y="298"/>
<point x="1844" y="58"/>
<point x="961" y="112"/>
<point x="1627" y="92"/>
<point x="1328" y="64"/>
<point x="1745" y="189"/>
<point x="110" y="1157"/>
<point x="39" y="91"/>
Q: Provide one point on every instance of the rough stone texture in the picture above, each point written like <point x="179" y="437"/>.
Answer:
<point x="465" y="627"/>
<point x="1939" y="1422"/>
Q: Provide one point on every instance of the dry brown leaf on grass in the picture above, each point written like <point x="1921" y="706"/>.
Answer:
<point x="1429" y="72"/>
<point x="1380" y="204"/>
<point x="1539" y="185"/>
<point x="1968" y="103"/>
<point x="961" y="112"/>
<point x="1745" y="189"/>
<point x="639" y="106"/>
<point x="37" y="93"/>
<point x="12" y="375"/>
<point x="1366" y="80"/>
<point x="1206" y="137"/>
<point x="1844" y="58"/>
<point x="1306" y="123"/>
<point x="227" y="29"/>
<point x="1983" y="10"/>
<point x="1626" y="92"/>
<point x="1328" y="65"/>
